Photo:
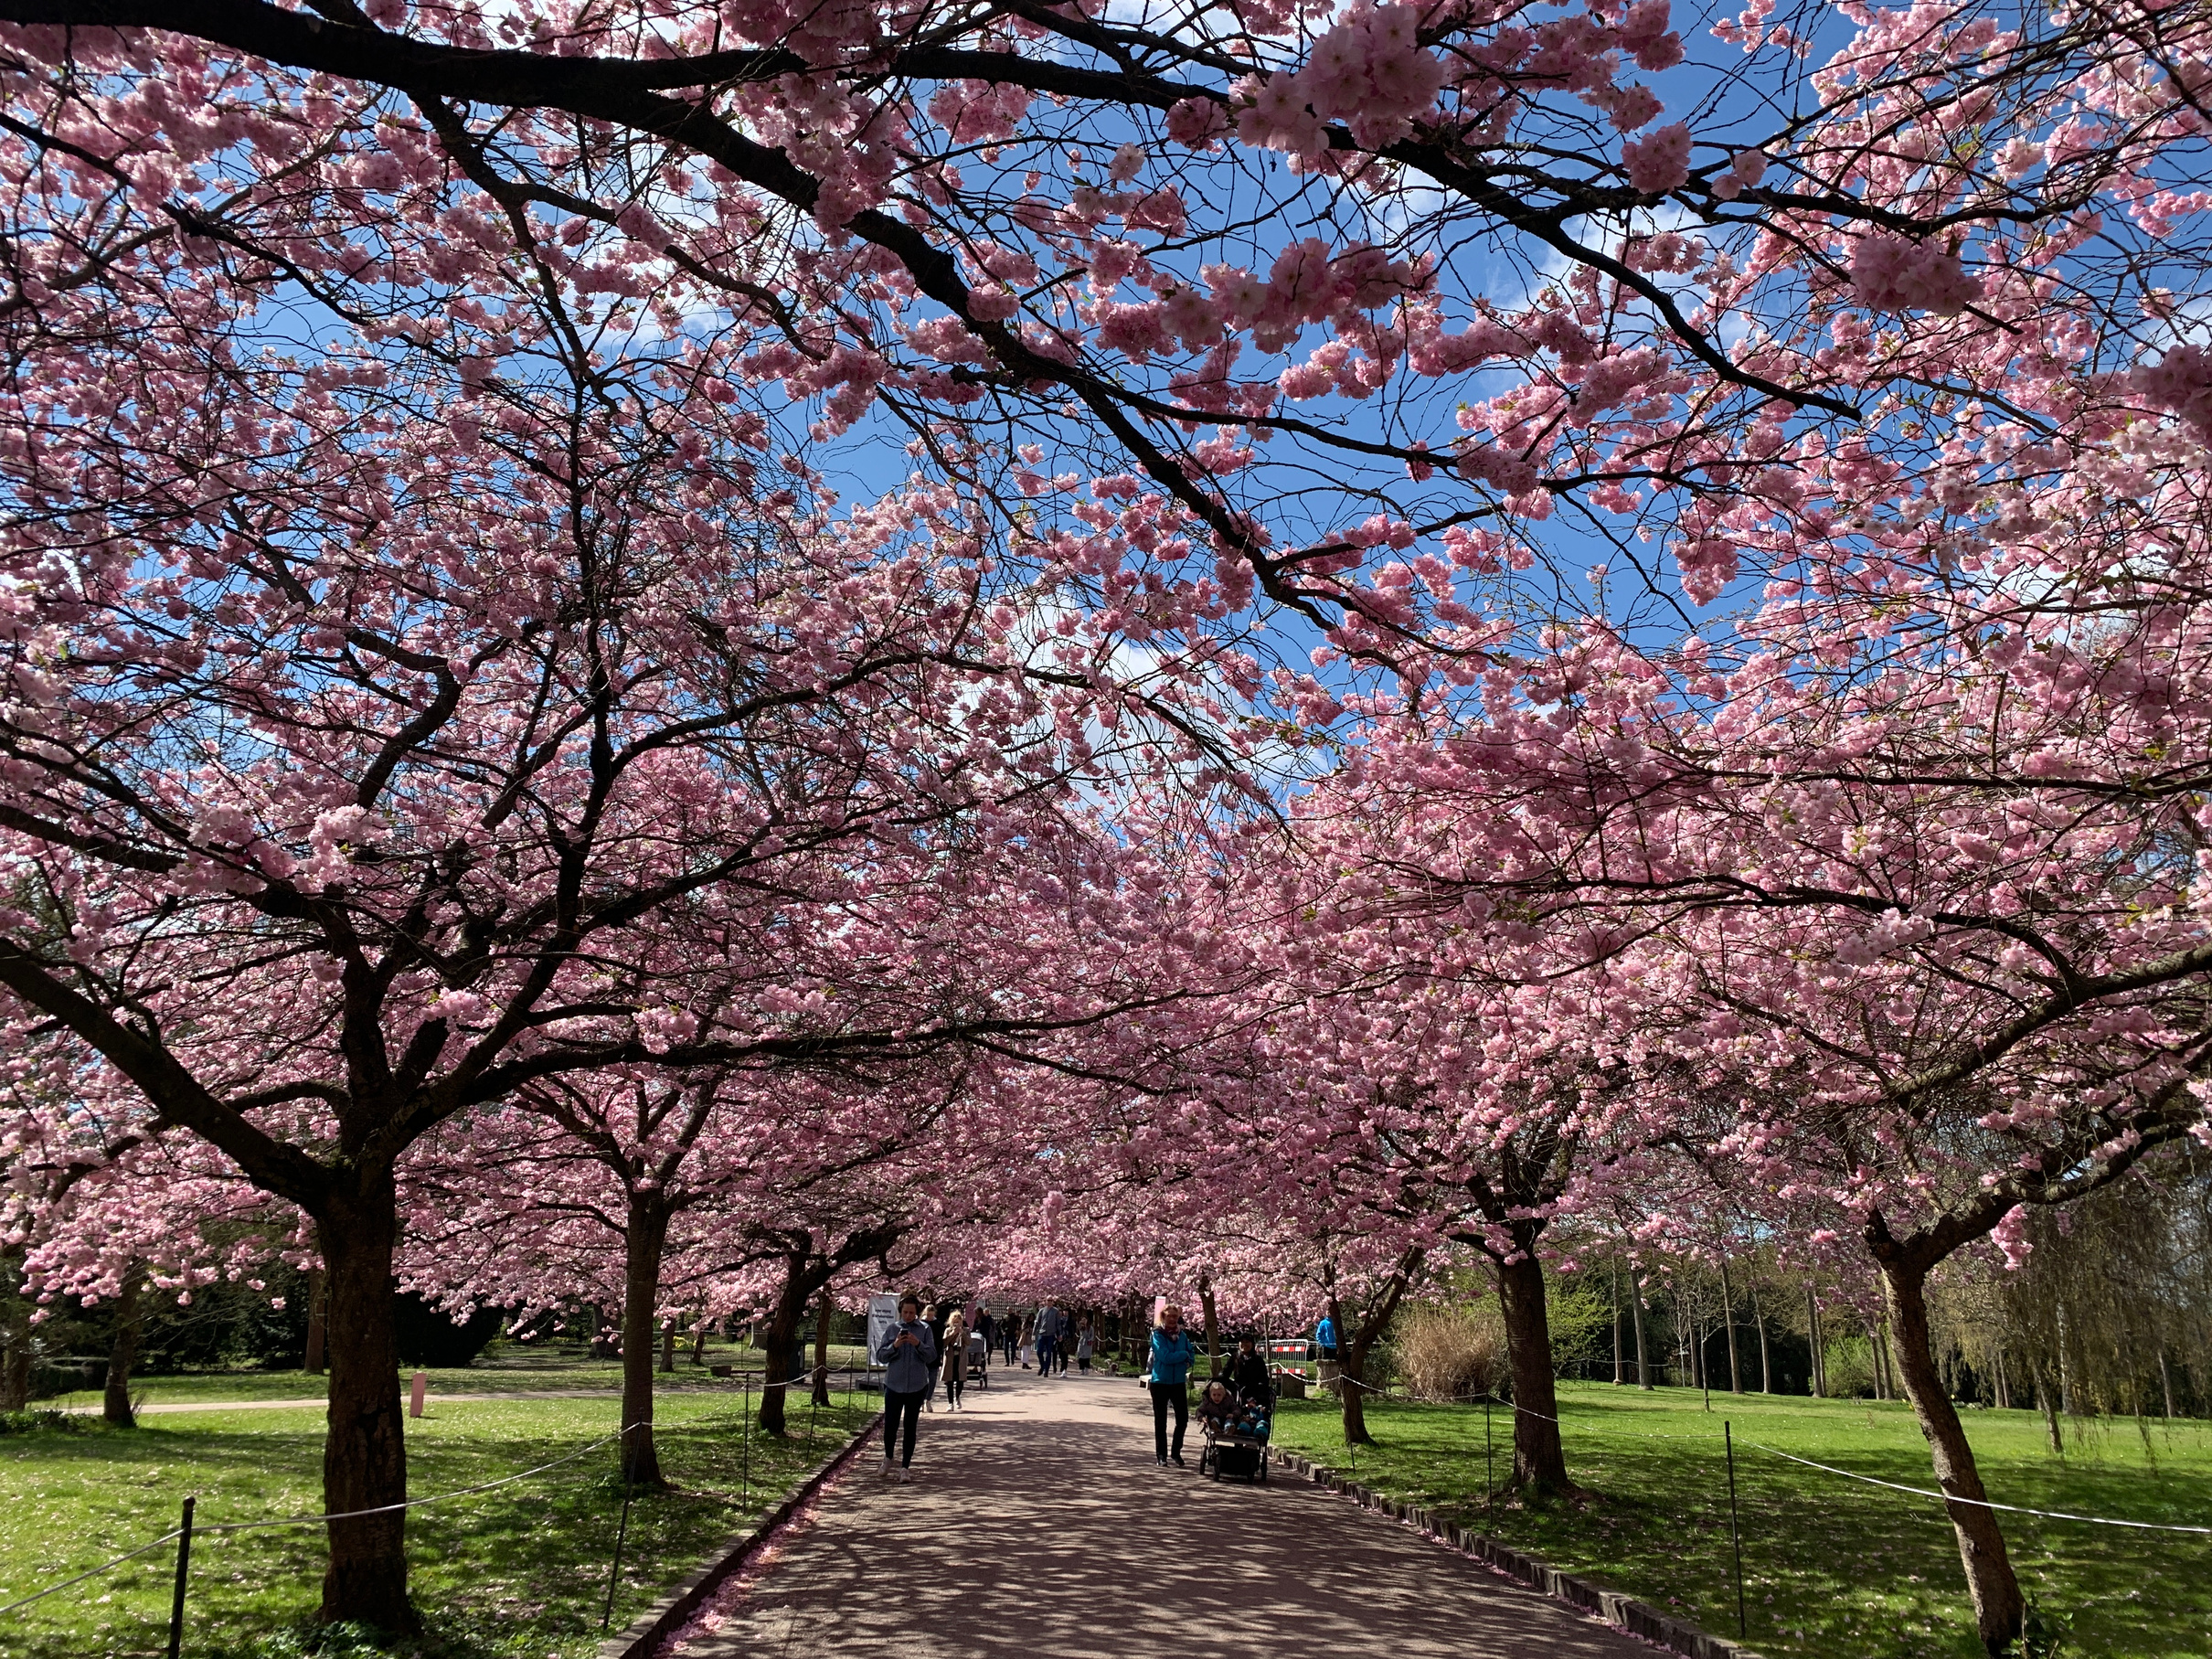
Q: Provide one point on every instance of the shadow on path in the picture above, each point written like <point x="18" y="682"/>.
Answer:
<point x="1037" y="1521"/>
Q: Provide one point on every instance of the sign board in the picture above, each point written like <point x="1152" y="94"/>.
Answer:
<point x="883" y="1316"/>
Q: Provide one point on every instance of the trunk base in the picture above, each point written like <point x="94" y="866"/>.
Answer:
<point x="368" y="1592"/>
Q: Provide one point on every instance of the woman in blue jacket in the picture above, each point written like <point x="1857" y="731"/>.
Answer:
<point x="1168" y="1377"/>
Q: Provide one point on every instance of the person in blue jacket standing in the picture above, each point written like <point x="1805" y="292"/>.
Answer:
<point x="1324" y="1338"/>
<point x="1167" y="1374"/>
<point x="908" y="1355"/>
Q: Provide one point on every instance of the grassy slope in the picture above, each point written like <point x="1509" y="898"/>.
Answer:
<point x="519" y="1573"/>
<point x="1832" y="1566"/>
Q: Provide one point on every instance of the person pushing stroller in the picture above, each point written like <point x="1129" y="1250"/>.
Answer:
<point x="1248" y="1374"/>
<point x="1236" y="1415"/>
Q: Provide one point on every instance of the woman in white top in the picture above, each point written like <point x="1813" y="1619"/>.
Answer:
<point x="956" y="1359"/>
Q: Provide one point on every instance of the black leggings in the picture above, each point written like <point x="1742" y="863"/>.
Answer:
<point x="897" y="1404"/>
<point x="1165" y="1395"/>
<point x="954" y="1382"/>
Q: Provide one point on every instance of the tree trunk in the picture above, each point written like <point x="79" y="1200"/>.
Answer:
<point x="1812" y="1336"/>
<point x="781" y="1341"/>
<point x="1635" y="1308"/>
<point x="2066" y="1370"/>
<point x="1620" y="1359"/>
<point x="318" y="1320"/>
<point x="1728" y="1319"/>
<point x="115" y="1405"/>
<point x="2002" y="1384"/>
<point x="822" y="1330"/>
<point x="2047" y="1398"/>
<point x="1213" y="1326"/>
<point x="1351" y="1386"/>
<point x="14" y="1339"/>
<point x="1351" y="1361"/>
<point x="1539" y="1459"/>
<point x="698" y="1341"/>
<point x="365" y="1445"/>
<point x="668" y="1343"/>
<point x="1989" y="1571"/>
<point x="1766" y="1361"/>
<point x="2165" y="1381"/>
<point x="645" y="1238"/>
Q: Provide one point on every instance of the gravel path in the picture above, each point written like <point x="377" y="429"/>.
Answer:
<point x="1037" y="1523"/>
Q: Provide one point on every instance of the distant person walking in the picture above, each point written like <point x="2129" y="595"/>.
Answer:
<point x="986" y="1327"/>
<point x="1045" y="1338"/>
<point x="936" y="1322"/>
<point x="1086" y="1343"/>
<point x="1167" y="1374"/>
<point x="909" y="1353"/>
<point x="956" y="1359"/>
<point x="1011" y="1331"/>
<point x="1324" y="1338"/>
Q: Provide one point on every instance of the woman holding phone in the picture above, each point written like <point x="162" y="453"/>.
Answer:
<point x="908" y="1355"/>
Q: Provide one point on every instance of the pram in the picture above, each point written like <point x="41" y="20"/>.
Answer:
<point x="1236" y="1443"/>
<point x="979" y="1359"/>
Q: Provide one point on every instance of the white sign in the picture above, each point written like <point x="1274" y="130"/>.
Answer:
<point x="883" y="1317"/>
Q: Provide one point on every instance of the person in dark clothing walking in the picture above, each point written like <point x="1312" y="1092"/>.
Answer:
<point x="1248" y="1374"/>
<point x="1167" y="1374"/>
<point x="909" y="1353"/>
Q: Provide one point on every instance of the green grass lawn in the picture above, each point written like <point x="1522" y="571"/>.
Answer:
<point x="503" y="1367"/>
<point x="1832" y="1566"/>
<point x="518" y="1573"/>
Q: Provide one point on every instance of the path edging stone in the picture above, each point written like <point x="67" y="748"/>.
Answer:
<point x="1637" y="1617"/>
<point x="664" y="1617"/>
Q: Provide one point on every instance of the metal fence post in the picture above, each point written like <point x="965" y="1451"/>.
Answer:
<point x="621" y="1533"/>
<point x="1727" y="1441"/>
<point x="184" y="1563"/>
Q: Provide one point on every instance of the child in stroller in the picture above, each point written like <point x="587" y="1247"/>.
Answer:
<point x="1234" y="1415"/>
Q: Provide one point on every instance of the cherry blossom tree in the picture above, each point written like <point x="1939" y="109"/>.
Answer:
<point x="344" y="807"/>
<point x="1028" y="237"/>
<point x="431" y="646"/>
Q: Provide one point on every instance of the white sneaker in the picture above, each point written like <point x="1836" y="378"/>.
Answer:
<point x="890" y="1470"/>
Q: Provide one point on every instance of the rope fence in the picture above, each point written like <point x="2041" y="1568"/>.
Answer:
<point x="1724" y="1436"/>
<point x="743" y="1419"/>
<point x="1727" y="1446"/>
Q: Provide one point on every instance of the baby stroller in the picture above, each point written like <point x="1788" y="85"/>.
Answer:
<point x="1236" y="1440"/>
<point x="979" y="1354"/>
